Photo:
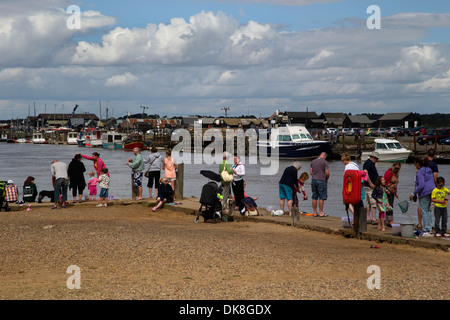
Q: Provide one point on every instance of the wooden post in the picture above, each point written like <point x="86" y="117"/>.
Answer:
<point x="359" y="222"/>
<point x="179" y="182"/>
<point x="415" y="145"/>
<point x="295" y="215"/>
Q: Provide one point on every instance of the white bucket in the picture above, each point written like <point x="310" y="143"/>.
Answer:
<point x="407" y="230"/>
<point x="396" y="229"/>
<point x="345" y="222"/>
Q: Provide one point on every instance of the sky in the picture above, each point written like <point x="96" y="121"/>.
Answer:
<point x="189" y="57"/>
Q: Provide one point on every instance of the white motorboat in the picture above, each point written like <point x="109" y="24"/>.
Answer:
<point x="389" y="150"/>
<point x="38" y="138"/>
<point x="72" y="137"/>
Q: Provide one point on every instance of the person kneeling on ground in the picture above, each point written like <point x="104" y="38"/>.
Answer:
<point x="165" y="193"/>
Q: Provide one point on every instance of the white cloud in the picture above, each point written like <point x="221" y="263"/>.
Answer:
<point x="211" y="60"/>
<point x="121" y="80"/>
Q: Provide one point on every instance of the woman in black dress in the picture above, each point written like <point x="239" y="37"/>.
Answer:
<point x="76" y="177"/>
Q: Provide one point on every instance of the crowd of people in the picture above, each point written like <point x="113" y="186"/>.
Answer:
<point x="71" y="176"/>
<point x="378" y="192"/>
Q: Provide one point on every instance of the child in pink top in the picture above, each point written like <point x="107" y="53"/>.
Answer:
<point x="92" y="185"/>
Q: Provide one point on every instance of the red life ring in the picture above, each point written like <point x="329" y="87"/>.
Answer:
<point x="351" y="191"/>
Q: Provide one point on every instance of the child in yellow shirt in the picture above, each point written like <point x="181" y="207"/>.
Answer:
<point x="440" y="198"/>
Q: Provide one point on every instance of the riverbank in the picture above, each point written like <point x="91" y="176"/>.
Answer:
<point x="126" y="251"/>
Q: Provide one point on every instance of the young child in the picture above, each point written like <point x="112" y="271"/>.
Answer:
<point x="440" y="198"/>
<point x="165" y="193"/>
<point x="92" y="185"/>
<point x="379" y="194"/>
<point x="301" y="184"/>
<point x="104" y="185"/>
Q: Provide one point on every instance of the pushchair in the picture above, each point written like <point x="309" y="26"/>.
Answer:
<point x="210" y="205"/>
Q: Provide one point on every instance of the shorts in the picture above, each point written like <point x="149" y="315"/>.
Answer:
<point x="285" y="191"/>
<point x="103" y="193"/>
<point x="137" y="177"/>
<point x="153" y="176"/>
<point x="371" y="202"/>
<point x="319" y="190"/>
<point x="93" y="190"/>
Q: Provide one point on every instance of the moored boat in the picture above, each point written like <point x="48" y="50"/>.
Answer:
<point x="389" y="150"/>
<point x="293" y="142"/>
<point x="72" y="137"/>
<point x="112" y="140"/>
<point x="38" y="138"/>
<point x="93" y="138"/>
<point x="132" y="141"/>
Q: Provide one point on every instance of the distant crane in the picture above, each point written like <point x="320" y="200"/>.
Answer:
<point x="226" y="111"/>
<point x="143" y="110"/>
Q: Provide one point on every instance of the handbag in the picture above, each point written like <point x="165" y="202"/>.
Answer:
<point x="147" y="173"/>
<point x="226" y="177"/>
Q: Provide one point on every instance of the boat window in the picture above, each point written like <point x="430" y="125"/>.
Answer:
<point x="117" y="137"/>
<point x="381" y="146"/>
<point x="287" y="138"/>
<point x="303" y="136"/>
<point x="309" y="136"/>
<point x="394" y="145"/>
<point x="295" y="137"/>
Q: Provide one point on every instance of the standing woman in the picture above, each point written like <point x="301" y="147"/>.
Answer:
<point x="238" y="181"/>
<point x="98" y="163"/>
<point x="391" y="180"/>
<point x="226" y="186"/>
<point x="170" y="168"/>
<point x="424" y="188"/>
<point x="76" y="172"/>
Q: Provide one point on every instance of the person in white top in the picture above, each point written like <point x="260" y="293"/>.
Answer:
<point x="238" y="181"/>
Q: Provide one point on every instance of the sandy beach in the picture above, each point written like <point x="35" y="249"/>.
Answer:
<point x="130" y="252"/>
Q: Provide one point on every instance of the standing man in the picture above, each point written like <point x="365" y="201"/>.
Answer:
<point x="286" y="185"/>
<point x="369" y="185"/>
<point x="137" y="166"/>
<point x="60" y="181"/>
<point x="432" y="165"/>
<point x="320" y="174"/>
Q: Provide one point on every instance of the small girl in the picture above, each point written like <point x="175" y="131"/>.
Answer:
<point x="92" y="184"/>
<point x="104" y="185"/>
<point x="301" y="184"/>
<point x="379" y="194"/>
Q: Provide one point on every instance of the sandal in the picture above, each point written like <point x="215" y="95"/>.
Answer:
<point x="55" y="207"/>
<point x="324" y="215"/>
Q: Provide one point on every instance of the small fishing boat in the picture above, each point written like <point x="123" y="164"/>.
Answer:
<point x="72" y="137"/>
<point x="389" y="150"/>
<point x="93" y="138"/>
<point x="112" y="140"/>
<point x="38" y="138"/>
<point x="132" y="141"/>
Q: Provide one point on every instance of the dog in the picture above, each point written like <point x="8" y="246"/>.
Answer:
<point x="46" y="193"/>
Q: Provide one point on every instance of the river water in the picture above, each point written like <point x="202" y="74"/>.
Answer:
<point x="22" y="160"/>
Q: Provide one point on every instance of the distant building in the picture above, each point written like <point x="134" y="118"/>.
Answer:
<point x="61" y="119"/>
<point x="308" y="118"/>
<point x="362" y="121"/>
<point x="336" y="120"/>
<point x="405" y="120"/>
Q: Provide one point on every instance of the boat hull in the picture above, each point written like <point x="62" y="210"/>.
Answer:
<point x="112" y="145"/>
<point x="296" y="151"/>
<point x="389" y="157"/>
